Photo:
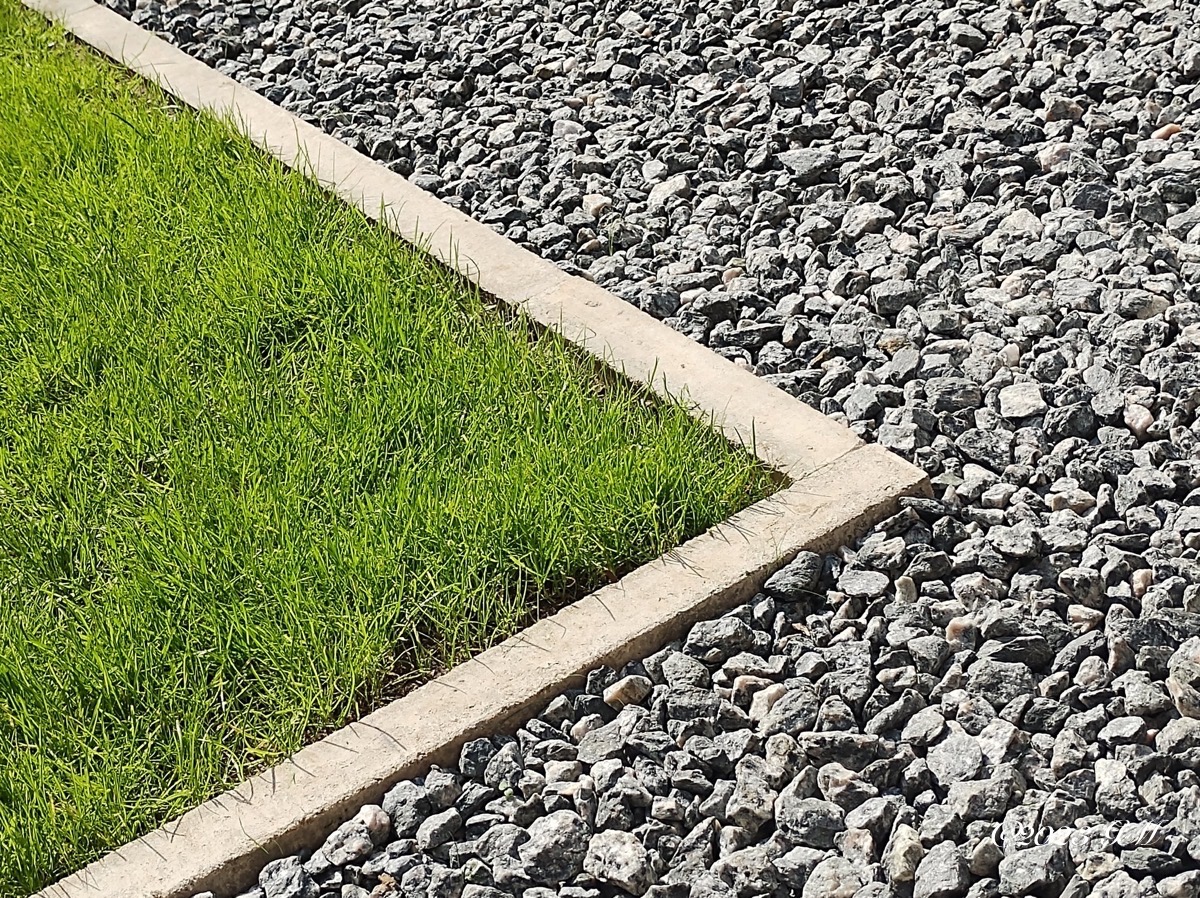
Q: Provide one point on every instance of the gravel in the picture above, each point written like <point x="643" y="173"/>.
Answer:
<point x="967" y="230"/>
<point x="684" y="793"/>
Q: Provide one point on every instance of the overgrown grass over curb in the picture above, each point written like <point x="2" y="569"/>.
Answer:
<point x="261" y="466"/>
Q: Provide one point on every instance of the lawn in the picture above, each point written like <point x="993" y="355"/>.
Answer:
<point x="262" y="467"/>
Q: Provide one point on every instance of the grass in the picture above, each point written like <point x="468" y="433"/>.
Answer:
<point x="262" y="467"/>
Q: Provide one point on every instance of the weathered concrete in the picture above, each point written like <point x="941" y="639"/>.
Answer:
<point x="222" y="844"/>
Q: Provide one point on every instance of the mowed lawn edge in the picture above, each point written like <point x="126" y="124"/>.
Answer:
<point x="262" y="467"/>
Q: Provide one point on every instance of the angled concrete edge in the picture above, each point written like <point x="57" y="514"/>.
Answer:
<point x="840" y="486"/>
<point x="221" y="845"/>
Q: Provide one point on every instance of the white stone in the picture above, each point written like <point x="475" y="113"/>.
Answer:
<point x="903" y="854"/>
<point x="1138" y="418"/>
<point x="1022" y="400"/>
<point x="596" y="204"/>
<point x="1054" y="157"/>
<point x="676" y="185"/>
<point x="764" y="700"/>
<point x="627" y="691"/>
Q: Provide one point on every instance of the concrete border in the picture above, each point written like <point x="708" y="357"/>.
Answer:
<point x="221" y="845"/>
<point x="839" y="486"/>
<point x="787" y="435"/>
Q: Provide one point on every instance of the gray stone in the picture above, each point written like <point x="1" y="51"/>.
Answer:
<point x="1000" y="681"/>
<point x="924" y="727"/>
<point x="406" y="804"/>
<point x="834" y="877"/>
<point x="795" y="582"/>
<point x="794" y="713"/>
<point x="717" y="640"/>
<point x="956" y="758"/>
<point x="1035" y="870"/>
<point x="287" y="878"/>
<point x="556" y="847"/>
<point x="950" y="394"/>
<point x="866" y="218"/>
<point x="942" y="873"/>
<point x="1183" y="679"/>
<point x="811" y="822"/>
<point x="500" y="841"/>
<point x="618" y="858"/>
<point x="607" y="742"/>
<point x="682" y="670"/>
<point x="863" y="584"/>
<point x="438" y="829"/>
<point x="675" y="186"/>
<point x="504" y="767"/>
<point x="808" y="164"/>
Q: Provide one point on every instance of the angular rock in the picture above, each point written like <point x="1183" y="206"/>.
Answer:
<point x="556" y="847"/>
<point x="618" y="858"/>
<point x="1036" y="870"/>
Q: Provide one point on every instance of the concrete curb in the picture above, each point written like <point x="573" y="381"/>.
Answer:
<point x="221" y="845"/>
<point x="839" y="487"/>
<point x="787" y="435"/>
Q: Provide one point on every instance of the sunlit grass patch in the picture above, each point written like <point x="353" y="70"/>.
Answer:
<point x="261" y="466"/>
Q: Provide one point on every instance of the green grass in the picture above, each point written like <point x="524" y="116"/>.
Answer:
<point x="261" y="466"/>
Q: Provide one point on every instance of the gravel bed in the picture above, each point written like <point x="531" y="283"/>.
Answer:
<point x="968" y="230"/>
